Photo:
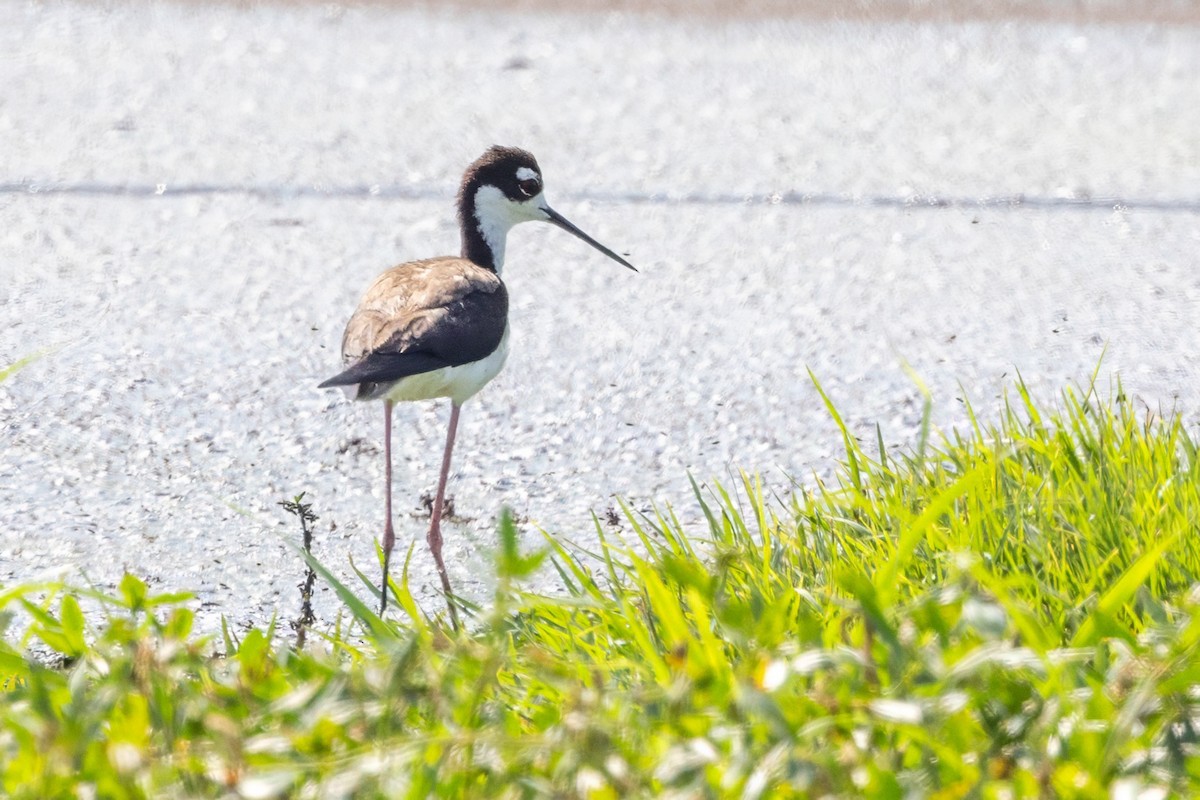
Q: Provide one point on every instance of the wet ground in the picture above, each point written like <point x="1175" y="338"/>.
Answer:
<point x="194" y="197"/>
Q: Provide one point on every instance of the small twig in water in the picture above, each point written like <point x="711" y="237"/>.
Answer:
<point x="303" y="510"/>
<point x="448" y="512"/>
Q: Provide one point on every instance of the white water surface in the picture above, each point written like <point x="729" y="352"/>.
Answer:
<point x="195" y="197"/>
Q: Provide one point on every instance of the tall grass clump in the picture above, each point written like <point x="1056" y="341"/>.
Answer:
<point x="1006" y="611"/>
<point x="1085" y="518"/>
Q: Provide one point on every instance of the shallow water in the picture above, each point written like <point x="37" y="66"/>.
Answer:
<point x="216" y="186"/>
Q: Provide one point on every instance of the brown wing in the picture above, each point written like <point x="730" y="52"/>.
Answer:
<point x="422" y="316"/>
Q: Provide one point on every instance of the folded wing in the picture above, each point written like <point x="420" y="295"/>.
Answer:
<point x="419" y="317"/>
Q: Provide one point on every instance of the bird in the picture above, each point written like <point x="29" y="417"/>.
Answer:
<point x="438" y="327"/>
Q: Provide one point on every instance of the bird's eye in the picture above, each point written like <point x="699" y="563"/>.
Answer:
<point x="530" y="186"/>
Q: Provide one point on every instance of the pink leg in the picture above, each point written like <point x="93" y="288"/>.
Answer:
<point x="389" y="534"/>
<point x="435" y="525"/>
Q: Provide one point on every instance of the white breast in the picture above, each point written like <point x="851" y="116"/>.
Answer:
<point x="458" y="383"/>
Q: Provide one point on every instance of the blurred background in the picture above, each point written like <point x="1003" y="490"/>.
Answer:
<point x="893" y="195"/>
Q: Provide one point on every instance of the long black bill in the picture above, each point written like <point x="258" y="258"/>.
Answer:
<point x="564" y="223"/>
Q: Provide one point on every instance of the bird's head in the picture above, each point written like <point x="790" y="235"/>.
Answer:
<point x="503" y="188"/>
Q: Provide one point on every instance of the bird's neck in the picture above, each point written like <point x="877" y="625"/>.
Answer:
<point x="485" y="225"/>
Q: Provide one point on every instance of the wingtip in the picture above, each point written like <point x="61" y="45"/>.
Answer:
<point x="339" y="381"/>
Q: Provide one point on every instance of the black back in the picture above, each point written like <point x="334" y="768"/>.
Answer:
<point x="463" y="331"/>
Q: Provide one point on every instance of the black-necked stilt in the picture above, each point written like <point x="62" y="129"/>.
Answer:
<point x="439" y="327"/>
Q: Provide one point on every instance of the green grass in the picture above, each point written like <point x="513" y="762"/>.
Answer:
<point x="1008" y="611"/>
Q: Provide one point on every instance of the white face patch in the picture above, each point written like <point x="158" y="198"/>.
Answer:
<point x="525" y="174"/>
<point x="495" y="214"/>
